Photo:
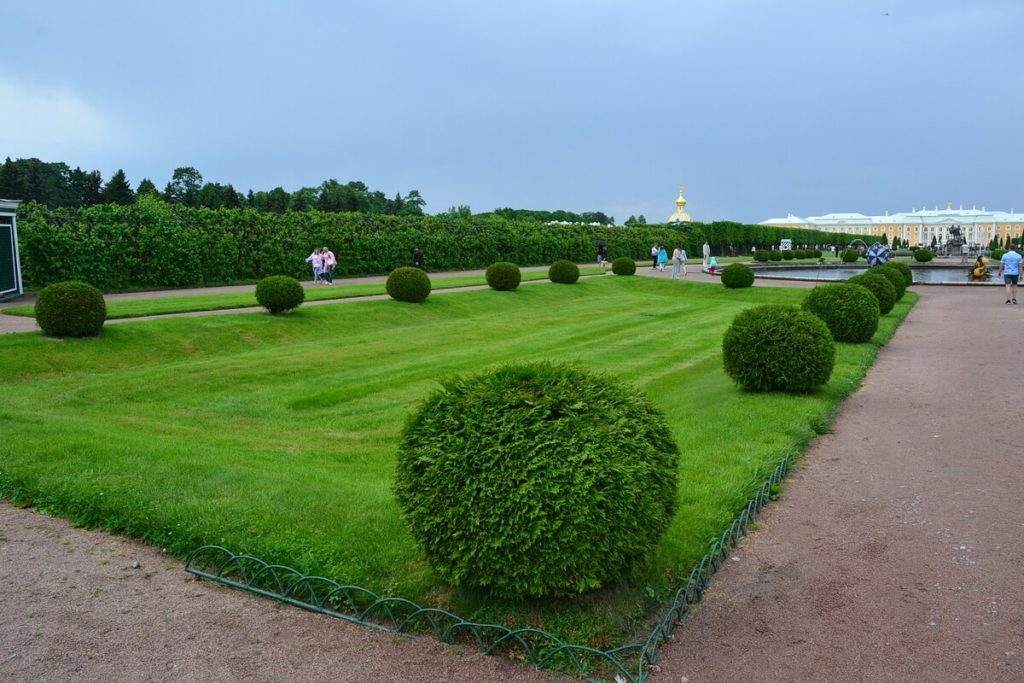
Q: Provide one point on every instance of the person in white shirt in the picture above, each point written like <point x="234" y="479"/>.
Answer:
<point x="330" y="261"/>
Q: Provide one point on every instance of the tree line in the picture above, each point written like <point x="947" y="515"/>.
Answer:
<point x="57" y="185"/>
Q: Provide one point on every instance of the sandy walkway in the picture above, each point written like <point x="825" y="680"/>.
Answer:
<point x="895" y="554"/>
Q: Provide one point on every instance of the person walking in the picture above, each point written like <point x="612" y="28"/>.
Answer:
<point x="662" y="258"/>
<point x="417" y="257"/>
<point x="1009" y="268"/>
<point x="316" y="259"/>
<point x="330" y="261"/>
<point x="654" y="257"/>
<point x="678" y="262"/>
<point x="707" y="253"/>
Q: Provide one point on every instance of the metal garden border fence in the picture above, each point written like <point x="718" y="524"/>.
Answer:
<point x="631" y="662"/>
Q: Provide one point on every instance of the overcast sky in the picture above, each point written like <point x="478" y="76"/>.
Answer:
<point x="760" y="108"/>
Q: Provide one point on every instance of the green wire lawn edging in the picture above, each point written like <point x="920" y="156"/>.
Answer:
<point x="541" y="649"/>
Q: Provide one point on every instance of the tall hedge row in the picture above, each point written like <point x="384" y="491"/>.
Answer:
<point x="155" y="244"/>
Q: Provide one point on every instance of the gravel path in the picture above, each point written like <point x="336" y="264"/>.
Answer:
<point x="894" y="554"/>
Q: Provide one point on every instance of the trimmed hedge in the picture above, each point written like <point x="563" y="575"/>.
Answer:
<point x="279" y="293"/>
<point x="850" y="255"/>
<point x="850" y="311"/>
<point x="997" y="254"/>
<point x="70" y="309"/>
<point x="879" y="286"/>
<point x="761" y="255"/>
<point x="788" y="254"/>
<point x="156" y="244"/>
<point x="924" y="255"/>
<point x="564" y="272"/>
<point x="536" y="480"/>
<point x="408" y="284"/>
<point x="775" y="255"/>
<point x="624" y="266"/>
<point x="503" y="276"/>
<point x="775" y="347"/>
<point x="737" y="276"/>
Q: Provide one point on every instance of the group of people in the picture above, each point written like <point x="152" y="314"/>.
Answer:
<point x="659" y="259"/>
<point x="323" y="261"/>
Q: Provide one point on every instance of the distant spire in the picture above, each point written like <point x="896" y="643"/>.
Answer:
<point x="680" y="215"/>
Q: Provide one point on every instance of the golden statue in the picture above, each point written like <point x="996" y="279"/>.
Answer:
<point x="980" y="270"/>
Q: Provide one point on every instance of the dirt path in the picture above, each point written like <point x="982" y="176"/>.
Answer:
<point x="895" y="554"/>
<point x="897" y="550"/>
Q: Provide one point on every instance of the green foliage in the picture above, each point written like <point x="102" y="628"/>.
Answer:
<point x="850" y="311"/>
<point x="788" y="254"/>
<point x="737" y="276"/>
<point x="761" y="255"/>
<point x="895" y="277"/>
<point x="279" y="293"/>
<point x="850" y="255"/>
<point x="71" y="309"/>
<point x="564" y="272"/>
<point x="153" y="243"/>
<point x="536" y="480"/>
<point x="903" y="269"/>
<point x="776" y="347"/>
<point x="923" y="255"/>
<point x="998" y="254"/>
<point x="775" y="255"/>
<point x="408" y="284"/>
<point x="880" y="287"/>
<point x="624" y="266"/>
<point x="503" y="276"/>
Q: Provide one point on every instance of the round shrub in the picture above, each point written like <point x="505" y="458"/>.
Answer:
<point x="850" y="255"/>
<point x="924" y="255"/>
<point x="894" y="276"/>
<point x="997" y="254"/>
<point x="761" y="255"/>
<point x="788" y="254"/>
<point x="774" y="255"/>
<point x="778" y="347"/>
<point x="903" y="269"/>
<point x="850" y="311"/>
<point x="880" y="287"/>
<point x="279" y="293"/>
<point x="503" y="276"/>
<point x="408" y="284"/>
<point x="737" y="276"/>
<point x="799" y="254"/>
<point x="564" y="272"/>
<point x="623" y="266"/>
<point x="536" y="479"/>
<point x="70" y="309"/>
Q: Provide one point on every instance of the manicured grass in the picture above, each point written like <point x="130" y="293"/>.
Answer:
<point x="163" y="305"/>
<point x="276" y="435"/>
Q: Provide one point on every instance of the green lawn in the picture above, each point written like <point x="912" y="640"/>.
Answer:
<point x="171" y="303"/>
<point x="276" y="435"/>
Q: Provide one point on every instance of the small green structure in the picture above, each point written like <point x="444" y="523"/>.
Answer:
<point x="10" y="262"/>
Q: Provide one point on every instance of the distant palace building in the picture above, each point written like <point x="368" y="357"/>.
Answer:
<point x="917" y="226"/>
<point x="680" y="215"/>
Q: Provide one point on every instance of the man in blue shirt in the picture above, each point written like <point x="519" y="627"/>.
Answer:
<point x="1009" y="268"/>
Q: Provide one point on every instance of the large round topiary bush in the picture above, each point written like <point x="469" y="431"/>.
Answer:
<point x="70" y="309"/>
<point x="761" y="255"/>
<point x="879" y="286"/>
<point x="624" y="266"/>
<point x="503" y="276"/>
<point x="536" y="479"/>
<point x="775" y="255"/>
<point x="903" y="269"/>
<point x="850" y="311"/>
<point x="778" y="348"/>
<point x="894" y="276"/>
<point x="737" y="276"/>
<point x="408" y="284"/>
<point x="924" y="255"/>
<point x="849" y="255"/>
<point x="788" y="254"/>
<point x="280" y="293"/>
<point x="564" y="272"/>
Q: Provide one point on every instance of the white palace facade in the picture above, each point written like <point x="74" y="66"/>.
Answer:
<point x="918" y="226"/>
